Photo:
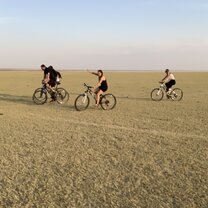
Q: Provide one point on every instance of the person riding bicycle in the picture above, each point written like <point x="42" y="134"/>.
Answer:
<point x="169" y="80"/>
<point x="51" y="78"/>
<point x="101" y="86"/>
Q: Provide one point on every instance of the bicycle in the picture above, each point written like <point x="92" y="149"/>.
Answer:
<point x="157" y="94"/>
<point x="58" y="94"/>
<point x="107" y="101"/>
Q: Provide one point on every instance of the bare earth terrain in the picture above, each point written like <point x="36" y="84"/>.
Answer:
<point x="141" y="154"/>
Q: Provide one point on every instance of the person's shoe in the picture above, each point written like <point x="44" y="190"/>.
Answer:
<point x="96" y="105"/>
<point x="52" y="100"/>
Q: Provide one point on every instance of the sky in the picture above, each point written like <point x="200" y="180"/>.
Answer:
<point x="104" y="34"/>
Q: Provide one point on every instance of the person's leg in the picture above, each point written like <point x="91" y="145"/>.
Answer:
<point x="51" y="85"/>
<point x="173" y="83"/>
<point x="96" y="90"/>
<point x="167" y="86"/>
<point x="98" y="97"/>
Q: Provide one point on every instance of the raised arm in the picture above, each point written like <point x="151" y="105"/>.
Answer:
<point x="95" y="73"/>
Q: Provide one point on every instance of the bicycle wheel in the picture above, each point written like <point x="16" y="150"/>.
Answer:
<point x="62" y="95"/>
<point x="177" y="94"/>
<point x="157" y="94"/>
<point x="82" y="102"/>
<point x="108" y="101"/>
<point x="39" y="96"/>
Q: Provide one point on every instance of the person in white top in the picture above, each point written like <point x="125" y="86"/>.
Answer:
<point x="169" y="80"/>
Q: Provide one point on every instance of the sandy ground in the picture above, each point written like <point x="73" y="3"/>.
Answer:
<point x="141" y="154"/>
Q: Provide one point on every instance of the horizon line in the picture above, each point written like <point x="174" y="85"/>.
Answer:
<point x="108" y="70"/>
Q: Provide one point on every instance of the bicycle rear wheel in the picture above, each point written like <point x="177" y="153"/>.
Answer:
<point x="157" y="94"/>
<point x="177" y="94"/>
<point x="108" y="101"/>
<point x="39" y="96"/>
<point x="62" y="95"/>
<point x="82" y="102"/>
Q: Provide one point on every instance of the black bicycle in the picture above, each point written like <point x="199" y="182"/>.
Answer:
<point x="107" y="101"/>
<point x="56" y="93"/>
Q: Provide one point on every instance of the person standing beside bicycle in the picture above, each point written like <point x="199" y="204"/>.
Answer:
<point x="169" y="80"/>
<point x="101" y="86"/>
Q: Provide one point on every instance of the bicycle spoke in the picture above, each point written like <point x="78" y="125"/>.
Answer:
<point x="157" y="94"/>
<point x="62" y="95"/>
<point x="82" y="102"/>
<point x="39" y="96"/>
<point x="108" y="102"/>
<point x="176" y="94"/>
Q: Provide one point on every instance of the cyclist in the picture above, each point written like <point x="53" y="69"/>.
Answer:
<point x="169" y="80"/>
<point x="101" y="86"/>
<point x="50" y="78"/>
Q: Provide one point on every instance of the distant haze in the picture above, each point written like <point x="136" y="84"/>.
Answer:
<point x="107" y="34"/>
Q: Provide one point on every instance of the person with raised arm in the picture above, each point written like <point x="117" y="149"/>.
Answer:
<point x="101" y="86"/>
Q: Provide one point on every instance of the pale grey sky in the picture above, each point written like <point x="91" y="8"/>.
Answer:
<point x="108" y="34"/>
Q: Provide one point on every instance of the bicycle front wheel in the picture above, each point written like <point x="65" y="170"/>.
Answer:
<point x="157" y="94"/>
<point x="82" y="102"/>
<point x="177" y="94"/>
<point x="39" y="96"/>
<point x="108" y="102"/>
<point x="62" y="95"/>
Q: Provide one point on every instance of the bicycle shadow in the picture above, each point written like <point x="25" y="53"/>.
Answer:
<point x="16" y="99"/>
<point x="133" y="98"/>
<point x="27" y="100"/>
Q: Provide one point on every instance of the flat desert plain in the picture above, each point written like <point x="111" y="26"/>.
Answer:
<point x="141" y="154"/>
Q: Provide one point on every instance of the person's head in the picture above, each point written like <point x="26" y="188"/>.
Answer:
<point x="167" y="71"/>
<point x="43" y="67"/>
<point x="100" y="73"/>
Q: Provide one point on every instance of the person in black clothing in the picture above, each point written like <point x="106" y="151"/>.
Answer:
<point x="50" y="78"/>
<point x="50" y="75"/>
<point x="101" y="86"/>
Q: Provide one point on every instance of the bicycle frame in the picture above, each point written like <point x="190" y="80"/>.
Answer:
<point x="82" y="101"/>
<point x="48" y="89"/>
<point x="89" y="91"/>
<point x="162" y="87"/>
<point x="170" y="93"/>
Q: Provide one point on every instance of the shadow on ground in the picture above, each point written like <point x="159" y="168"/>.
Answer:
<point x="16" y="99"/>
<point x="27" y="100"/>
<point x="132" y="98"/>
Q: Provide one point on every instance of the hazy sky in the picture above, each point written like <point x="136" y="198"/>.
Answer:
<point x="107" y="34"/>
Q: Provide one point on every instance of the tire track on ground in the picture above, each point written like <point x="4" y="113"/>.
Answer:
<point x="131" y="129"/>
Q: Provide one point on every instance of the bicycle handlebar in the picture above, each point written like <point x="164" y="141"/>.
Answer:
<point x="56" y="82"/>
<point x="87" y="86"/>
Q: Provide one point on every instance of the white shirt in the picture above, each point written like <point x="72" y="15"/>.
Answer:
<point x="170" y="77"/>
